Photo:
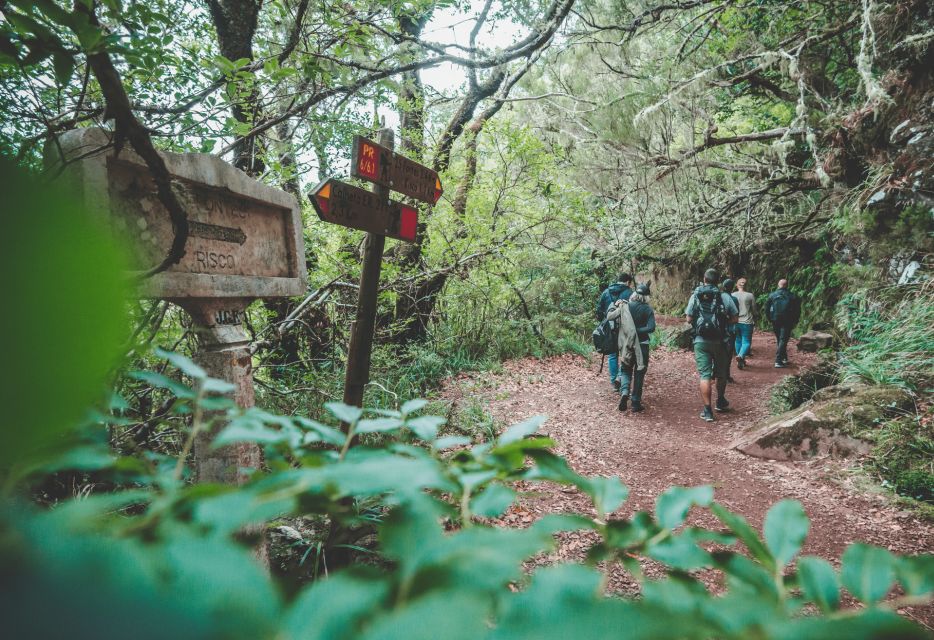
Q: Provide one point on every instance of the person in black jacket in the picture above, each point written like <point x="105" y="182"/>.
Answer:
<point x="631" y="377"/>
<point x="783" y="309"/>
<point x="619" y="290"/>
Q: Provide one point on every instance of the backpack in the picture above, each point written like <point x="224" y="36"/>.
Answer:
<point x="780" y="306"/>
<point x="711" y="322"/>
<point x="606" y="336"/>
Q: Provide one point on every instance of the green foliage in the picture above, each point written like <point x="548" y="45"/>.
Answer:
<point x="893" y="340"/>
<point x="66" y="328"/>
<point x="169" y="557"/>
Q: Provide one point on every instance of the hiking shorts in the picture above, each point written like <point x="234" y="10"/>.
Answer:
<point x="712" y="359"/>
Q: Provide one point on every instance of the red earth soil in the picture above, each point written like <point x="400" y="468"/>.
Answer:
<point x="668" y="444"/>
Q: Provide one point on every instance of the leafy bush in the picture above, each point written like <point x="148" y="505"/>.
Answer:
<point x="171" y="558"/>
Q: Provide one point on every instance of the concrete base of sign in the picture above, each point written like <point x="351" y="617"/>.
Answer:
<point x="224" y="352"/>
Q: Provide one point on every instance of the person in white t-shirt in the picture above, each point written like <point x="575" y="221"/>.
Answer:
<point x="746" y="323"/>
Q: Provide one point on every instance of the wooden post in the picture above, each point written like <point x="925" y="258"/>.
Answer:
<point x="361" y="334"/>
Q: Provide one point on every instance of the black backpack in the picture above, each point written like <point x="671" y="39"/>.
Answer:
<point x="606" y="336"/>
<point x="711" y="322"/>
<point x="780" y="306"/>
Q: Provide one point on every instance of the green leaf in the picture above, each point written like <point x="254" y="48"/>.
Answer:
<point x="673" y="505"/>
<point x="868" y="572"/>
<point x="336" y="607"/>
<point x="326" y="433"/>
<point x="425" y="427"/>
<point x="680" y="552"/>
<point x="916" y="573"/>
<point x="786" y="526"/>
<point x="55" y="372"/>
<point x="378" y="425"/>
<point x="449" y="442"/>
<point x="493" y="501"/>
<point x="214" y="385"/>
<point x="344" y="412"/>
<point x="608" y="494"/>
<point x="182" y="363"/>
<point x="64" y="65"/>
<point x="819" y="582"/>
<point x="519" y="431"/>
<point x="411" y="406"/>
<point x="738" y="525"/>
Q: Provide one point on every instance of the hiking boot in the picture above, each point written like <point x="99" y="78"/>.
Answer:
<point x="616" y="385"/>
<point x="722" y="404"/>
<point x="779" y="365"/>
<point x="622" y="403"/>
<point x="731" y="379"/>
<point x="740" y="362"/>
<point x="707" y="414"/>
<point x="637" y="406"/>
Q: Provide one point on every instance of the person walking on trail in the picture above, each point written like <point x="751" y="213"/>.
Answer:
<point x="710" y="312"/>
<point x="619" y="290"/>
<point x="632" y="347"/>
<point x="783" y="309"/>
<point x="729" y="286"/>
<point x="746" y="304"/>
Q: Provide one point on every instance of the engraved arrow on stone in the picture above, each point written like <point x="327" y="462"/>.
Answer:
<point x="216" y="232"/>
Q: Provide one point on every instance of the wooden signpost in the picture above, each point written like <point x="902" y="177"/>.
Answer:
<point x="245" y="242"/>
<point x="373" y="212"/>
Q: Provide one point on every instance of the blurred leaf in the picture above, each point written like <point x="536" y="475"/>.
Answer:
<point x="608" y="494"/>
<point x="69" y="322"/>
<point x="425" y="427"/>
<point x="492" y="501"/>
<point x="738" y="525"/>
<point x="379" y="425"/>
<point x="411" y="406"/>
<point x="916" y="573"/>
<point x="673" y="504"/>
<point x="819" y="582"/>
<point x="448" y="442"/>
<point x="785" y="528"/>
<point x="154" y="379"/>
<point x="344" y="412"/>
<point x="182" y="363"/>
<point x="521" y="430"/>
<point x="349" y="598"/>
<point x="868" y="572"/>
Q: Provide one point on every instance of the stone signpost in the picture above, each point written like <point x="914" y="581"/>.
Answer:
<point x="245" y="242"/>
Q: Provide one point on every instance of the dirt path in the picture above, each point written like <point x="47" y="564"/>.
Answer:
<point x="669" y="444"/>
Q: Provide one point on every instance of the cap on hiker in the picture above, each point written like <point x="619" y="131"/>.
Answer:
<point x="643" y="289"/>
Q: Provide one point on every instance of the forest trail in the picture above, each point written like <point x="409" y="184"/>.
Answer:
<point x="668" y="444"/>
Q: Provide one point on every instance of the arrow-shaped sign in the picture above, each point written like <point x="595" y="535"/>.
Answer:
<point x="216" y="232"/>
<point x="375" y="163"/>
<point x="349" y="206"/>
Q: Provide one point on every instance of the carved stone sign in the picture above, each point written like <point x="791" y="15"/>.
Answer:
<point x="245" y="237"/>
<point x="245" y="242"/>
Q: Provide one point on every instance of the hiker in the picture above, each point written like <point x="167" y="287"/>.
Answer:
<point x="710" y="312"/>
<point x="783" y="309"/>
<point x="728" y="286"/>
<point x="619" y="290"/>
<point x="746" y="304"/>
<point x="631" y="347"/>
